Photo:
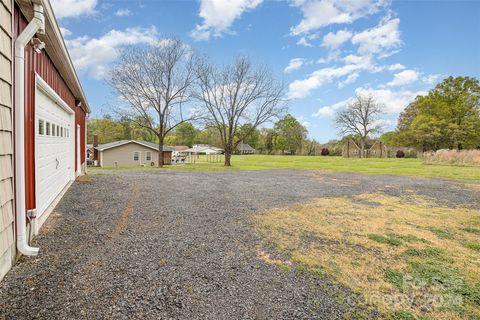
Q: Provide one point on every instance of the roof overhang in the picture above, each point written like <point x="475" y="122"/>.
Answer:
<point x="132" y="141"/>
<point x="56" y="48"/>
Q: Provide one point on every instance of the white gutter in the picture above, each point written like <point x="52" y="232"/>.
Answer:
<point x="37" y="24"/>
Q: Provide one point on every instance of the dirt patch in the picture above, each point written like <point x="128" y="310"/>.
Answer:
<point x="84" y="179"/>
<point x="122" y="223"/>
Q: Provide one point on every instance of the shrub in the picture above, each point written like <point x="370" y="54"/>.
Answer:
<point x="400" y="154"/>
<point x="453" y="157"/>
<point x="325" y="152"/>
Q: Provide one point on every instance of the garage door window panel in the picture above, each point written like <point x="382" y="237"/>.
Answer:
<point x="41" y="127"/>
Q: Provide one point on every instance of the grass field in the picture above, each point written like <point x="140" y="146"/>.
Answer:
<point x="401" y="167"/>
<point x="410" y="259"/>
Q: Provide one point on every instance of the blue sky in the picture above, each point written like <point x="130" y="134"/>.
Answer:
<point x="326" y="51"/>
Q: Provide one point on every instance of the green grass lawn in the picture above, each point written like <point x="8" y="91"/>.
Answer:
<point x="401" y="167"/>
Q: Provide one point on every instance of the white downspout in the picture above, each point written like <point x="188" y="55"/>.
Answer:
<point x="37" y="24"/>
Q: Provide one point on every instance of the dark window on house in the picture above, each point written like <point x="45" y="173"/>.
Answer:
<point x="48" y="128"/>
<point x="53" y="129"/>
<point x="58" y="131"/>
<point x="136" y="155"/>
<point x="41" y="127"/>
<point x="148" y="156"/>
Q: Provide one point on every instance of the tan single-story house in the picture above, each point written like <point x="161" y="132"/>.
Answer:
<point x="131" y="153"/>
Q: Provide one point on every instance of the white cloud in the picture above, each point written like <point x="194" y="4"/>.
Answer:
<point x="303" y="121"/>
<point x="302" y="88"/>
<point x="93" y="55"/>
<point x="335" y="40"/>
<point x="380" y="40"/>
<point x="394" y="101"/>
<point x="383" y="123"/>
<point x="403" y="78"/>
<point x="294" y="64"/>
<point x="123" y="13"/>
<point x="306" y="40"/>
<point x="65" y="32"/>
<point x="73" y="8"/>
<point x="349" y="80"/>
<point x="354" y="64"/>
<point x="329" y="111"/>
<point x="219" y="15"/>
<point x="320" y="13"/>
<point x="396" y="67"/>
<point x="431" y="79"/>
<point x="363" y="62"/>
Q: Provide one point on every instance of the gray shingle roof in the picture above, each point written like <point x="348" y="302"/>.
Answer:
<point x="245" y="147"/>
<point x="148" y="144"/>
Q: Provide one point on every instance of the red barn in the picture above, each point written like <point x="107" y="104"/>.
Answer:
<point x="42" y="123"/>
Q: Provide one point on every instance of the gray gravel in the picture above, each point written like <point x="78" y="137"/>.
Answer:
<point x="181" y="245"/>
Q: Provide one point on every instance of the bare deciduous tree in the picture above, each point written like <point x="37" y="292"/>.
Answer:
<point x="360" y="118"/>
<point x="238" y="94"/>
<point x="154" y="82"/>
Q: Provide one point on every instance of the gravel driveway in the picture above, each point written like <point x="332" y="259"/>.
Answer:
<point x="181" y="245"/>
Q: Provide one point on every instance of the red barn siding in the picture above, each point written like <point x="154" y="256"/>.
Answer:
<point x="41" y="64"/>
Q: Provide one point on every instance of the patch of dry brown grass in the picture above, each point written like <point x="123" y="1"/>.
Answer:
<point x="453" y="157"/>
<point x="390" y="251"/>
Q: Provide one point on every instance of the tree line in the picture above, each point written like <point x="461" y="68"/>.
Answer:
<point x="447" y="117"/>
<point x="287" y="136"/>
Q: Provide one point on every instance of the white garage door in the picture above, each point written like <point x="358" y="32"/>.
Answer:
<point x="54" y="160"/>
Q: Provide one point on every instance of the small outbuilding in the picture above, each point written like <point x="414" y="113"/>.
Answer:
<point x="245" y="148"/>
<point x="179" y="150"/>
<point x="131" y="153"/>
<point x="377" y="149"/>
<point x="203" y="149"/>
